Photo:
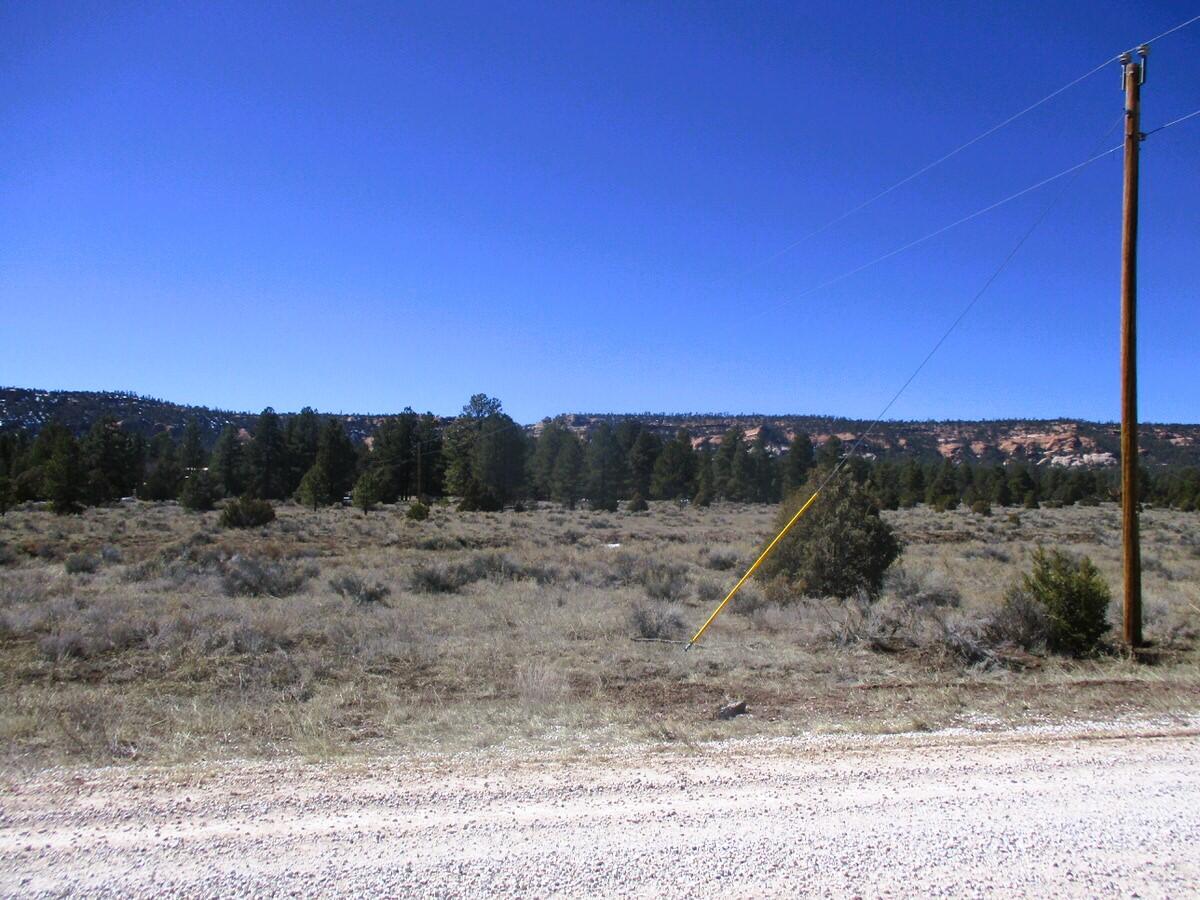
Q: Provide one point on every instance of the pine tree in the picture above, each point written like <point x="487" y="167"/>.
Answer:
<point x="942" y="493"/>
<point x="764" y="470"/>
<point x="740" y="486"/>
<point x="566" y="486"/>
<point x="912" y="484"/>
<point x="367" y="490"/>
<point x="625" y="433"/>
<point x="11" y="447"/>
<point x="315" y="489"/>
<point x="705" y="480"/>
<point x="64" y="478"/>
<point x="1001" y="489"/>
<point x="732" y="475"/>
<point x="830" y="453"/>
<point x="485" y="455"/>
<point x="430" y="462"/>
<point x="336" y="457"/>
<point x="199" y="491"/>
<point x="30" y="480"/>
<point x="498" y="462"/>
<point x="459" y="446"/>
<point x="267" y="459"/>
<point x="544" y="459"/>
<point x="642" y="456"/>
<point x="1023" y="487"/>
<point x="301" y="438"/>
<point x="393" y="453"/>
<point x="114" y="461"/>
<point x="228" y="462"/>
<point x="604" y="469"/>
<point x="721" y="462"/>
<point x="675" y="469"/>
<point x="798" y="462"/>
<point x="885" y="480"/>
<point x="191" y="450"/>
<point x="166" y="474"/>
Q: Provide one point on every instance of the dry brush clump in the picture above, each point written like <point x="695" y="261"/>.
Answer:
<point x="657" y="621"/>
<point x="658" y="578"/>
<point x="358" y="589"/>
<point x="248" y="576"/>
<point x="450" y="578"/>
<point x="540" y="683"/>
<point x="81" y="564"/>
<point x="719" y="560"/>
<point x="928" y="588"/>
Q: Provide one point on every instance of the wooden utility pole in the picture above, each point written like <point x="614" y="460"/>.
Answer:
<point x="1134" y="74"/>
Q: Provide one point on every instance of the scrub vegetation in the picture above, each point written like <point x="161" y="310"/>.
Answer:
<point x="143" y="631"/>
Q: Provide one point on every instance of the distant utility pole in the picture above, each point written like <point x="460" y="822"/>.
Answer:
<point x="1133" y="75"/>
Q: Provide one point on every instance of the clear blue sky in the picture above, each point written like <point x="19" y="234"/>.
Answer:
<point x="575" y="206"/>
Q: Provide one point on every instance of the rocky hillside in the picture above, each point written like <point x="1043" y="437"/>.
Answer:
<point x="32" y="409"/>
<point x="1064" y="442"/>
<point x="1067" y="442"/>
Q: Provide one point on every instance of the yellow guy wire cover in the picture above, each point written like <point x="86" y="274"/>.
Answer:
<point x="754" y="568"/>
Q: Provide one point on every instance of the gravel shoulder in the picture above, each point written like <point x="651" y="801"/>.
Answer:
<point x="1086" y="810"/>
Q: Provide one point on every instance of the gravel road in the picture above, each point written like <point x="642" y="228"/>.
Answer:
<point x="1051" y="812"/>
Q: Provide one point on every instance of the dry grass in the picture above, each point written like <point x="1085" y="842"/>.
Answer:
<point x="143" y="632"/>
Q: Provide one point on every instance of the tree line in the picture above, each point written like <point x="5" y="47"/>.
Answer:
<point x="489" y="462"/>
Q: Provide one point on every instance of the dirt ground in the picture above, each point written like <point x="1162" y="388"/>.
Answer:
<point x="1083" y="810"/>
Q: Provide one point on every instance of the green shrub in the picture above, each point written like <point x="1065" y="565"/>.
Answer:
<point x="839" y="547"/>
<point x="315" y="490"/>
<point x="981" y="508"/>
<point x="368" y="490"/>
<point x="1074" y="597"/>
<point x="418" y="512"/>
<point x="247" y="512"/>
<point x="199" y="492"/>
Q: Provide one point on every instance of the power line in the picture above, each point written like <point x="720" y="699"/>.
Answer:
<point x="942" y="230"/>
<point x="1190" y="115"/>
<point x="961" y="147"/>
<point x="1190" y="21"/>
